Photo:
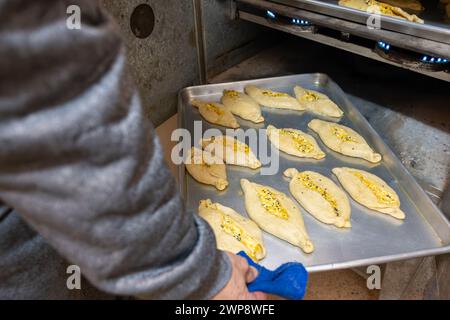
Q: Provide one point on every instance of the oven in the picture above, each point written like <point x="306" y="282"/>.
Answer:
<point x="395" y="72"/>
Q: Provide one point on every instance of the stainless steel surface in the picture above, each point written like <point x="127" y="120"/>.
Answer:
<point x="197" y="6"/>
<point x="374" y="238"/>
<point x="434" y="28"/>
<point x="337" y="43"/>
<point x="233" y="10"/>
<point x="322" y="20"/>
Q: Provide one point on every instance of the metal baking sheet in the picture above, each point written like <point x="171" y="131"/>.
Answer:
<point x="374" y="238"/>
<point x="436" y="26"/>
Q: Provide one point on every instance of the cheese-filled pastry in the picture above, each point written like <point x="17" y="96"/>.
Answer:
<point x="231" y="150"/>
<point x="320" y="196"/>
<point x="273" y="99"/>
<point x="344" y="140"/>
<point x="317" y="102"/>
<point x="206" y="168"/>
<point x="374" y="6"/>
<point x="370" y="191"/>
<point x="233" y="232"/>
<point x="276" y="213"/>
<point x="295" y="142"/>
<point x="242" y="105"/>
<point x="216" y="113"/>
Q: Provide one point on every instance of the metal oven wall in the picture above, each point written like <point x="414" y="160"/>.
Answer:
<point x="166" y="61"/>
<point x="229" y="41"/>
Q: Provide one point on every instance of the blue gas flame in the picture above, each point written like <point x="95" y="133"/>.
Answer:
<point x="300" y="22"/>
<point x="270" y="14"/>
<point x="428" y="59"/>
<point x="384" y="45"/>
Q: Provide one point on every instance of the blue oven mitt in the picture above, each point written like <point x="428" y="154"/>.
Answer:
<point x="287" y="281"/>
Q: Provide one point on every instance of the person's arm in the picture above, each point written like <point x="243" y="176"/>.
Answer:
<point x="82" y="165"/>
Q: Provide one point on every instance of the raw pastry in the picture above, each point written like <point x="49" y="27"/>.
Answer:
<point x="231" y="150"/>
<point x="320" y="196"/>
<point x="216" y="113"/>
<point x="233" y="232"/>
<point x="242" y="105"/>
<point x="317" y="102"/>
<point x="370" y="191"/>
<point x="206" y="168"/>
<point x="276" y="213"/>
<point x="273" y="99"/>
<point x="383" y="8"/>
<point x="344" y="140"/>
<point x="294" y="142"/>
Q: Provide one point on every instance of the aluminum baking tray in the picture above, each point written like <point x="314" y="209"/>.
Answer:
<point x="374" y="238"/>
<point x="436" y="26"/>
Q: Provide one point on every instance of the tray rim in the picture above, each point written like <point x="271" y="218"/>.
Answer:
<point x="445" y="248"/>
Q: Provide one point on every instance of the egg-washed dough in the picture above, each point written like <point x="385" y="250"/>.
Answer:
<point x="233" y="232"/>
<point x="276" y="213"/>
<point x="295" y="142"/>
<point x="231" y="150"/>
<point x="206" y="168"/>
<point x="414" y="5"/>
<point x="370" y="191"/>
<point x="344" y="140"/>
<point x="317" y="102"/>
<point x="273" y="99"/>
<point x="320" y="196"/>
<point x="216" y="113"/>
<point x="383" y="8"/>
<point x="242" y="105"/>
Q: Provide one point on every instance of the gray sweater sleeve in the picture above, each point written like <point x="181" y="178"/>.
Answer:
<point x="82" y="165"/>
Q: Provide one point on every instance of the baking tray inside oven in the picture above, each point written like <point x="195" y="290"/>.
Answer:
<point x="374" y="238"/>
<point x="436" y="26"/>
